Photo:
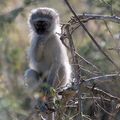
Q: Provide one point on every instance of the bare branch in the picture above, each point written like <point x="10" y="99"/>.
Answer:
<point x="76" y="68"/>
<point x="103" y="93"/>
<point x="88" y="71"/>
<point x="87" y="17"/>
<point x="90" y="35"/>
<point x="109" y="30"/>
<point x="102" y="78"/>
<point x="88" y="62"/>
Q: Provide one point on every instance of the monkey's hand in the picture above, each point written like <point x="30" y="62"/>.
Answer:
<point x="31" y="78"/>
<point x="47" y="90"/>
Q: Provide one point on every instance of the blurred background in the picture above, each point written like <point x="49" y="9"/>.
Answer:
<point x="14" y="40"/>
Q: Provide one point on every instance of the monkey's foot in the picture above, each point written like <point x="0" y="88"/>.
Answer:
<point x="43" y="106"/>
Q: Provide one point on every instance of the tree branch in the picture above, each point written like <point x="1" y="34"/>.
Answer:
<point x="87" y="17"/>
<point x="90" y="35"/>
<point x="102" y="78"/>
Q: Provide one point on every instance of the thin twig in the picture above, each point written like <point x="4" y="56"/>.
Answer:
<point x="101" y="78"/>
<point x="103" y="93"/>
<point x="88" y="71"/>
<point x="103" y="109"/>
<point x="109" y="30"/>
<point x="88" y="62"/>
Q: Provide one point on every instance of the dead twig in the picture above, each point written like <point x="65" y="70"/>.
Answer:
<point x="102" y="78"/>
<point x="103" y="93"/>
<point x="88" y="62"/>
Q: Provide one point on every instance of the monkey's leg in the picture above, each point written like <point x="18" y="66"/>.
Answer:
<point x="52" y="76"/>
<point x="51" y="80"/>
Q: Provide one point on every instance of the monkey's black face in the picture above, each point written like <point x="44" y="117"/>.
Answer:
<point x="41" y="26"/>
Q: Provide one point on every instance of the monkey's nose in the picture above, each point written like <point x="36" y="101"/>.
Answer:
<point x="40" y="28"/>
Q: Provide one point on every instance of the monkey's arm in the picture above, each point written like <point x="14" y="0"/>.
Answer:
<point x="53" y="73"/>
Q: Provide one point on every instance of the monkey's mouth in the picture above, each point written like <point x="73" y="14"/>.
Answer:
<point x="41" y="27"/>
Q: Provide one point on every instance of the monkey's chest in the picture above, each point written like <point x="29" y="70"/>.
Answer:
<point x="43" y="61"/>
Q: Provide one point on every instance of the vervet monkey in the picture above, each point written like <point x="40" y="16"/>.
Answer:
<point x="48" y="60"/>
